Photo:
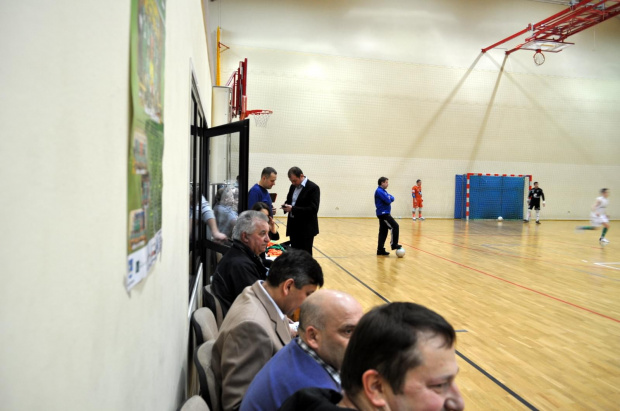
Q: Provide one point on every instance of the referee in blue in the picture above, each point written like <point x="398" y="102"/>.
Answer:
<point x="383" y="202"/>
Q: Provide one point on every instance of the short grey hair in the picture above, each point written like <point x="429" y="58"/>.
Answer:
<point x="311" y="314"/>
<point x="246" y="223"/>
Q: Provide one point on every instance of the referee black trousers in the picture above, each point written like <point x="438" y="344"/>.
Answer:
<point x="302" y="243"/>
<point x="386" y="222"/>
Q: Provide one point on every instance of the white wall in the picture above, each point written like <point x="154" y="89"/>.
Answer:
<point x="71" y="337"/>
<point x="399" y="88"/>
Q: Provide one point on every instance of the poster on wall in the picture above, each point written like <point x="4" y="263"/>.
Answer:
<point x="146" y="139"/>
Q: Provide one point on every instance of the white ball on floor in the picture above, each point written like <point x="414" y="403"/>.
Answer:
<point x="400" y="253"/>
<point x="500" y="218"/>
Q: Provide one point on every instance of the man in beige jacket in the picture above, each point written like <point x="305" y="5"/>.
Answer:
<point x="257" y="327"/>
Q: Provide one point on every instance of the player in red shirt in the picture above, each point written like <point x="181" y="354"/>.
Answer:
<point x="416" y="194"/>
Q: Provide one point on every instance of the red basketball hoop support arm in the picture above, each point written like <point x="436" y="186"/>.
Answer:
<point x="528" y="28"/>
<point x="560" y="26"/>
<point x="238" y="80"/>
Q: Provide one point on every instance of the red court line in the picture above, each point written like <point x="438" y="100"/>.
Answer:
<point x="518" y="285"/>
<point x="506" y="254"/>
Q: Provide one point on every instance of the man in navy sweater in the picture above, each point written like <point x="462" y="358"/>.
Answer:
<point x="259" y="192"/>
<point x="383" y="202"/>
<point x="327" y="320"/>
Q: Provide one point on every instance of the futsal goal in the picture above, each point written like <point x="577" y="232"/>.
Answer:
<point x="489" y="196"/>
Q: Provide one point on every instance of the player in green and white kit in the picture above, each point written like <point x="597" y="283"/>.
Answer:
<point x="598" y="216"/>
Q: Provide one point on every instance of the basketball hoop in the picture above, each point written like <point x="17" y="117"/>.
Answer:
<point x="261" y="117"/>
<point x="539" y="58"/>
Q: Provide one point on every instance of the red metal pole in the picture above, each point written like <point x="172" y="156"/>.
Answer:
<point x="244" y="65"/>
<point x="529" y="27"/>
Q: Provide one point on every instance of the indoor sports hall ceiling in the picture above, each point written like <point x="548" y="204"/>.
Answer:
<point x="441" y="32"/>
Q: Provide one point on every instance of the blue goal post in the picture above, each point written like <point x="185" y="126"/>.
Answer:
<point x="488" y="196"/>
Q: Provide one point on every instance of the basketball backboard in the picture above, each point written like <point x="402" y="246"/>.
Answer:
<point x="550" y="46"/>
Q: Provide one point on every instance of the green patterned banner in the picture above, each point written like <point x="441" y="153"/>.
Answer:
<point x="146" y="142"/>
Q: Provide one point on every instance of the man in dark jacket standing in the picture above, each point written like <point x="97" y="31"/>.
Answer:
<point x="241" y="266"/>
<point x="383" y="202"/>
<point x="302" y="206"/>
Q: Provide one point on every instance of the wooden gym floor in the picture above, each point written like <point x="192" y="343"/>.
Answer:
<point x="536" y="307"/>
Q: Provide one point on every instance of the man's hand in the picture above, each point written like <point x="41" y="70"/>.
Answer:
<point x="219" y="236"/>
<point x="273" y="211"/>
<point x="287" y="208"/>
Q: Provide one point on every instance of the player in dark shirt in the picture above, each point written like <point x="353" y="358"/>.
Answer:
<point x="533" y="200"/>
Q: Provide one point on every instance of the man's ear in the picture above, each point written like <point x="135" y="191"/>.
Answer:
<point x="311" y="335"/>
<point x="374" y="388"/>
<point x="244" y="238"/>
<point x="287" y="286"/>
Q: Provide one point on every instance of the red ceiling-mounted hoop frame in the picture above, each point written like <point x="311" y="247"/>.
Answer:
<point x="564" y="24"/>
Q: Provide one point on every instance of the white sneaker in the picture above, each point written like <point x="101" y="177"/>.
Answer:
<point x="604" y="241"/>
<point x="421" y="218"/>
<point x="413" y="218"/>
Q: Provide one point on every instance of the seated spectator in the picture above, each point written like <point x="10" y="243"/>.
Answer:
<point x="326" y="321"/>
<point x="225" y="215"/>
<point x="401" y="356"/>
<point x="273" y="228"/>
<point x="241" y="266"/>
<point x="257" y="327"/>
<point x="273" y="231"/>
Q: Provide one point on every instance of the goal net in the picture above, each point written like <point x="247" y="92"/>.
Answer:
<point x="488" y="196"/>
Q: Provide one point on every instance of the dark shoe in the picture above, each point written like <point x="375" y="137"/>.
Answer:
<point x="526" y="221"/>
<point x="382" y="252"/>
<point x="396" y="247"/>
<point x="537" y="222"/>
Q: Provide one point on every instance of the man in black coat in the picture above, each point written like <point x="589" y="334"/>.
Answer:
<point x="241" y="266"/>
<point x="302" y="206"/>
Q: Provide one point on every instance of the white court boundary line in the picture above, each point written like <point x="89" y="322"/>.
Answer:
<point x="607" y="265"/>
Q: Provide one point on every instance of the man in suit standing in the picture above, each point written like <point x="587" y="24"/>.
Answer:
<point x="302" y="206"/>
<point x="256" y="326"/>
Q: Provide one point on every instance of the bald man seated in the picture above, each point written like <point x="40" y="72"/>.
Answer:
<point x="401" y="357"/>
<point x="326" y="321"/>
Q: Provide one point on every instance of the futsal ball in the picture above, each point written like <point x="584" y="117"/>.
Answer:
<point x="400" y="253"/>
<point x="500" y="218"/>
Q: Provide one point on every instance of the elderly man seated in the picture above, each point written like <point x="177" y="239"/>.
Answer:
<point x="241" y="266"/>
<point x="326" y="321"/>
